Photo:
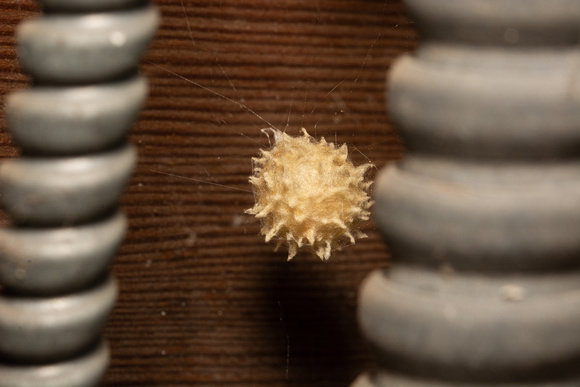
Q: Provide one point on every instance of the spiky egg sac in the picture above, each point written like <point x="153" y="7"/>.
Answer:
<point x="309" y="194"/>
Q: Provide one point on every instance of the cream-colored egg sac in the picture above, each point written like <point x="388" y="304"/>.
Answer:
<point x="309" y="194"/>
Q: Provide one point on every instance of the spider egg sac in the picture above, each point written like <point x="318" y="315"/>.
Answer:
<point x="309" y="194"/>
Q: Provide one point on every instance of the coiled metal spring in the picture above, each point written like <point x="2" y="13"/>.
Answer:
<point x="482" y="215"/>
<point x="62" y="193"/>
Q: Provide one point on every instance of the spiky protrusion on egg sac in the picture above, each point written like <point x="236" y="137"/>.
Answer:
<point x="309" y="194"/>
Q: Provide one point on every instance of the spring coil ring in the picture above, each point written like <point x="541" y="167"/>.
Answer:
<point x="62" y="193"/>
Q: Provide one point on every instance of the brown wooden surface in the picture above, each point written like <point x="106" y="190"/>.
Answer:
<point x="204" y="302"/>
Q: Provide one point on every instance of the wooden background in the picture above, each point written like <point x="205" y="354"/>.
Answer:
<point x="203" y="301"/>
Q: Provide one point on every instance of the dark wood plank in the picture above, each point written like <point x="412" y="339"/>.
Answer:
<point x="203" y="300"/>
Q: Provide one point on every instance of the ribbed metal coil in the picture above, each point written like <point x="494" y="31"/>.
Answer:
<point x="70" y="120"/>
<point x="82" y="371"/>
<point x="67" y="48"/>
<point x="62" y="193"/>
<point x="53" y="191"/>
<point x="483" y="214"/>
<point x="53" y="260"/>
<point x="42" y="329"/>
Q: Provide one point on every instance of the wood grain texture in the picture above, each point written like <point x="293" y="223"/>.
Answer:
<point x="204" y="302"/>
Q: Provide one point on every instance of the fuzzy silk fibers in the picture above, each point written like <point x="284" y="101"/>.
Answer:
<point x="309" y="194"/>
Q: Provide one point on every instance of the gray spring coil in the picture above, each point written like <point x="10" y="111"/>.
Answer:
<point x="482" y="215"/>
<point x="62" y="193"/>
